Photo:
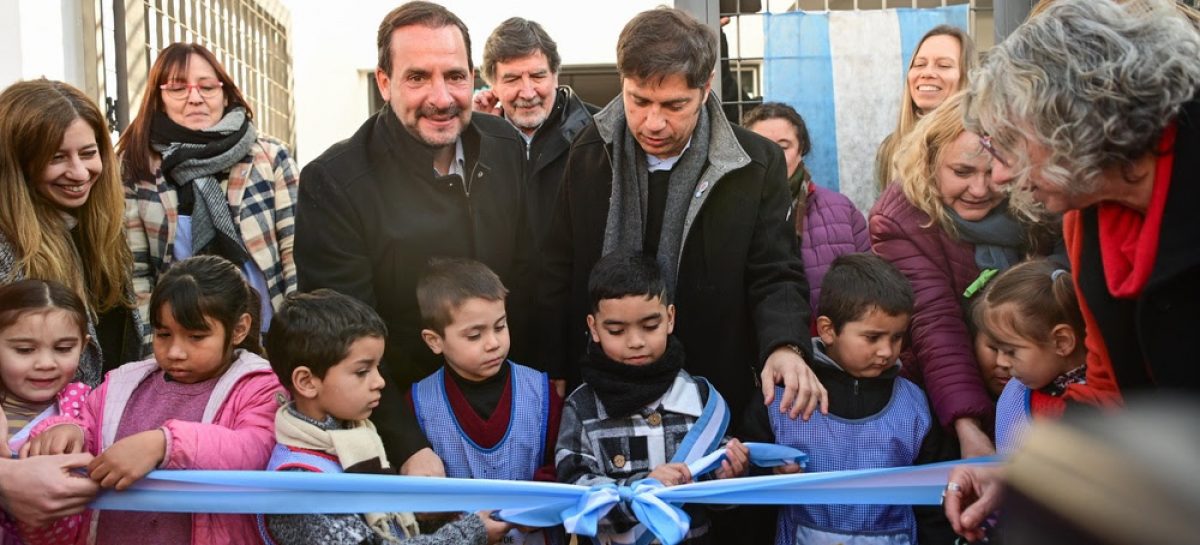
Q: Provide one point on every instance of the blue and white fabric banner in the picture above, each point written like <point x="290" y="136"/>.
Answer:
<point x="844" y="72"/>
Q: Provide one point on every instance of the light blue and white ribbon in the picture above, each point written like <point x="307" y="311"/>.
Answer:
<point x="578" y="508"/>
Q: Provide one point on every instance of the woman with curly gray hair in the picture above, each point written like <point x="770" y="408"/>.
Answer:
<point x="1091" y="106"/>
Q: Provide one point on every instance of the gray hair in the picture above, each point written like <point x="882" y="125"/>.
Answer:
<point x="1093" y="81"/>
<point x="516" y="38"/>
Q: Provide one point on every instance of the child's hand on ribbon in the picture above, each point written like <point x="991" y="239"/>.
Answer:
<point x="672" y="474"/>
<point x="736" y="462"/>
<point x="496" y="528"/>
<point x="129" y="459"/>
<point x="60" y="439"/>
<point x="787" y="469"/>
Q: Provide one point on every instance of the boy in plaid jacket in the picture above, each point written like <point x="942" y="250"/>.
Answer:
<point x="637" y="404"/>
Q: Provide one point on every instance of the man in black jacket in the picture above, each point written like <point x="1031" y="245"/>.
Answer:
<point x="521" y="62"/>
<point x="421" y="178"/>
<point x="663" y="172"/>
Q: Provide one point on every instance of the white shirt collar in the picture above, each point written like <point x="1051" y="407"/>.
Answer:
<point x="683" y="397"/>
<point x="654" y="164"/>
<point x="458" y="165"/>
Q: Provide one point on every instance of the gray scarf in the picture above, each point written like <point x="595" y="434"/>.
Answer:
<point x="198" y="164"/>
<point x="998" y="237"/>
<point x="626" y="225"/>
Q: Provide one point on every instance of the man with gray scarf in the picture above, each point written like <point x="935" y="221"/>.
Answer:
<point x="662" y="171"/>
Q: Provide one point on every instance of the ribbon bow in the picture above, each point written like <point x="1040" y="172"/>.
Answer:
<point x="666" y="521"/>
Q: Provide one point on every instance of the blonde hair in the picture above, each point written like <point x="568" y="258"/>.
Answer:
<point x="919" y="154"/>
<point x="884" y="166"/>
<point x="34" y="115"/>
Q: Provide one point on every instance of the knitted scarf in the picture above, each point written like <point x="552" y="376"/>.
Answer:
<point x="626" y="225"/>
<point x="800" y="184"/>
<point x="192" y="161"/>
<point x="625" y="389"/>
<point x="998" y="237"/>
<point x="358" y="443"/>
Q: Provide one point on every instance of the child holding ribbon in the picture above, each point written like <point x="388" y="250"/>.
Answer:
<point x="206" y="400"/>
<point x="326" y="347"/>
<point x="639" y="415"/>
<point x="43" y="331"/>
<point x="1032" y="319"/>
<point x="876" y="418"/>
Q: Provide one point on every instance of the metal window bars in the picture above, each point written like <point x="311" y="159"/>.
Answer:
<point x="251" y="38"/>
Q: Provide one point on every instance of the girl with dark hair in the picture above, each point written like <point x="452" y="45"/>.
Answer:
<point x="200" y="180"/>
<point x="43" y="330"/>
<point x="1031" y="318"/>
<point x="60" y="212"/>
<point x="206" y="400"/>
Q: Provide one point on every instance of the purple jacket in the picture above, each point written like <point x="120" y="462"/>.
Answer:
<point x="941" y="354"/>
<point x="832" y="227"/>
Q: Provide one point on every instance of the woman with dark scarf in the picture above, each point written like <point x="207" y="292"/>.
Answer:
<point x="949" y="229"/>
<point x="199" y="179"/>
<point x="827" y="223"/>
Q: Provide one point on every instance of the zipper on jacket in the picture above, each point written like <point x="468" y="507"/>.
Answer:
<point x="475" y="175"/>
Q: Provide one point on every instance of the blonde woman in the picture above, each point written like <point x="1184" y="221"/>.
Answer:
<point x="61" y="212"/>
<point x="940" y="67"/>
<point x="944" y="224"/>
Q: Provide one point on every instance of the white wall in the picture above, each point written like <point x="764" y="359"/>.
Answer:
<point x="41" y="38"/>
<point x="333" y="46"/>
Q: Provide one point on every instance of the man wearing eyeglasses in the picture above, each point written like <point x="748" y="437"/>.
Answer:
<point x="422" y="178"/>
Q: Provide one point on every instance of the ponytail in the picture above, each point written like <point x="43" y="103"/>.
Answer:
<point x="1044" y="296"/>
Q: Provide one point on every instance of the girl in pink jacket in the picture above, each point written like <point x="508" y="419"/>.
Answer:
<point x="43" y="331"/>
<point x="205" y="401"/>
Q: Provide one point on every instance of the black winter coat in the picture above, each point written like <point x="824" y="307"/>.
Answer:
<point x="1149" y="339"/>
<point x="548" y="155"/>
<point x="741" y="290"/>
<point x="370" y="215"/>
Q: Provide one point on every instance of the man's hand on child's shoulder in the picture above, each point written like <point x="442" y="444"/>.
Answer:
<point x="672" y="474"/>
<point x="736" y="462"/>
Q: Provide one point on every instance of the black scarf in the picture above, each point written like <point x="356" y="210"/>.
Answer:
<point x="193" y="162"/>
<point x="625" y="389"/>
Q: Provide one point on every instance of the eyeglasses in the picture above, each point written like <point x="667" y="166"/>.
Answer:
<point x="985" y="142"/>
<point x="179" y="89"/>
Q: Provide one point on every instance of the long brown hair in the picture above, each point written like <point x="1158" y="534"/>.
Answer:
<point x="171" y="65"/>
<point x="34" y="115"/>
<point x="909" y="115"/>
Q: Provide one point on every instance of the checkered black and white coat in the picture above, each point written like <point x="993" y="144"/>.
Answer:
<point x="596" y="448"/>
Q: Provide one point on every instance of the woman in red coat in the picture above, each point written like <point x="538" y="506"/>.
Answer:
<point x="1092" y="108"/>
